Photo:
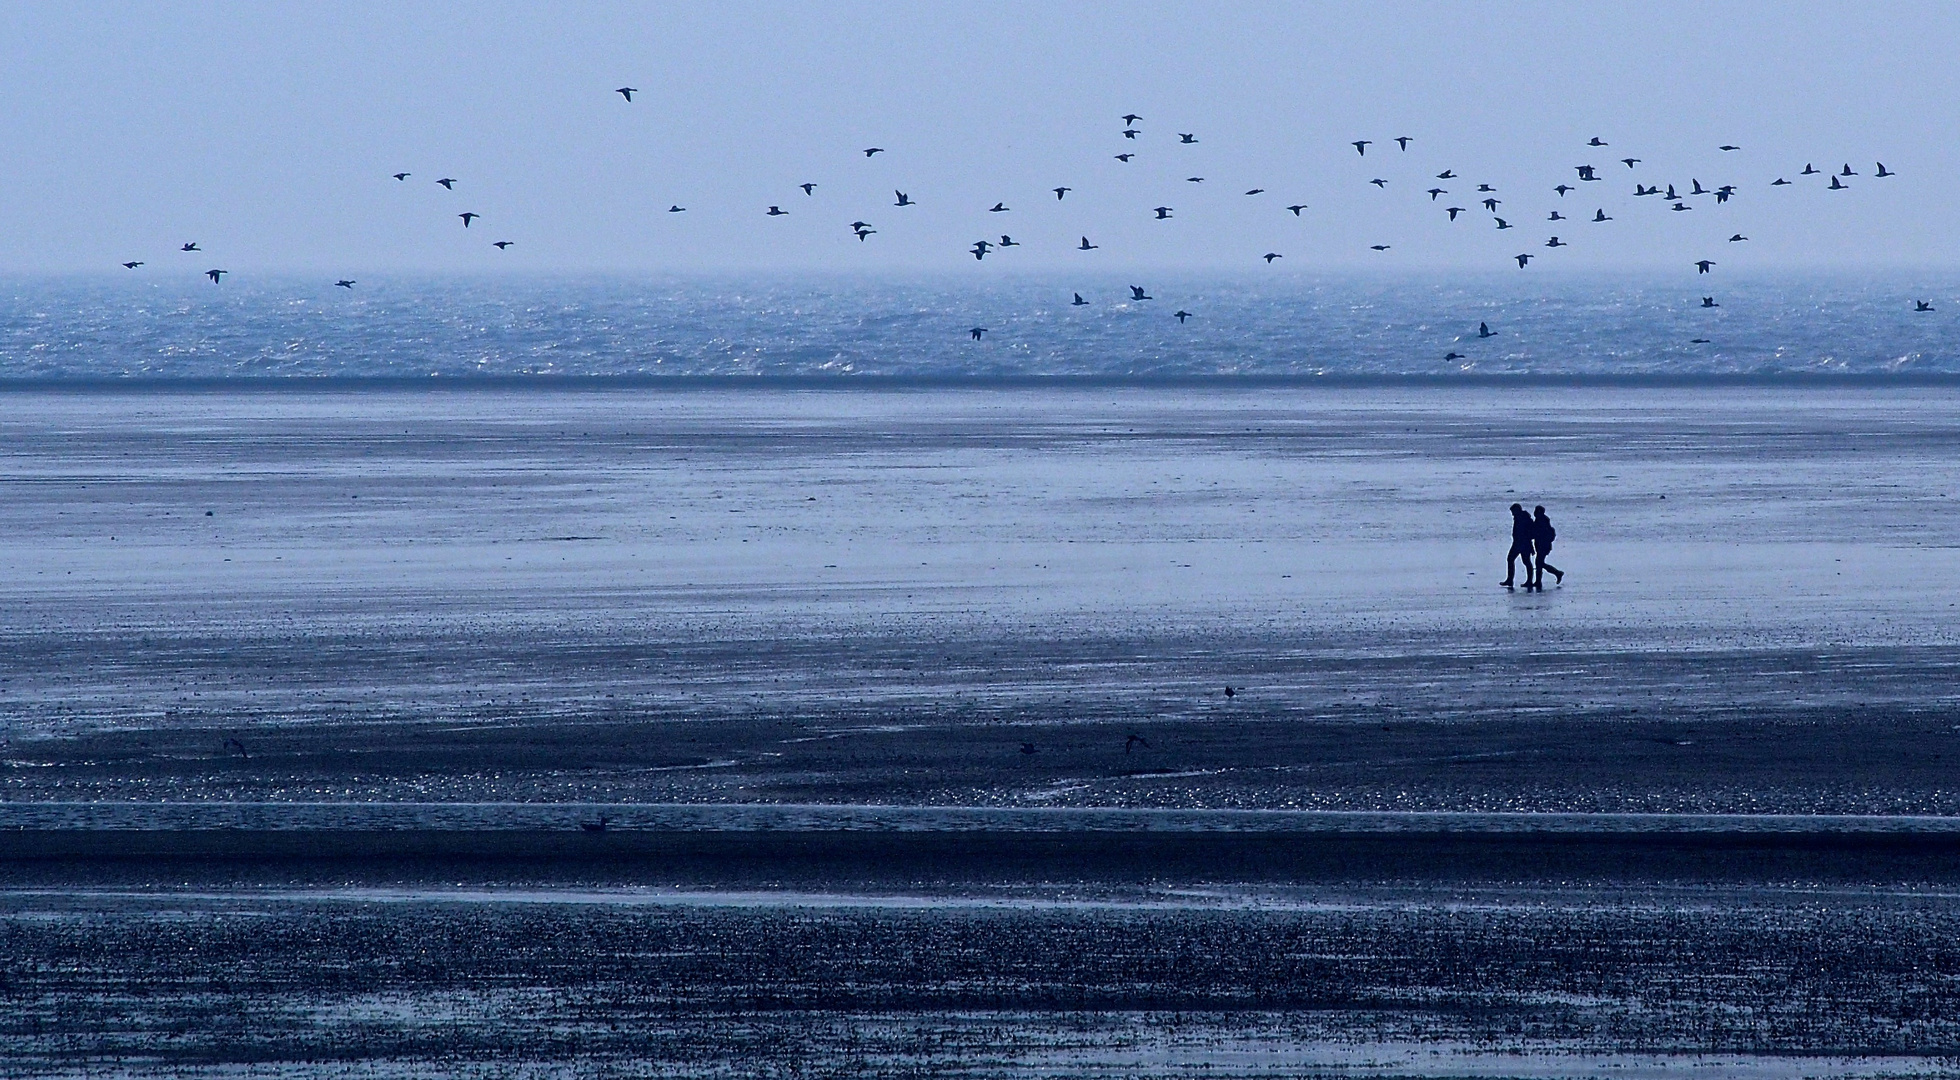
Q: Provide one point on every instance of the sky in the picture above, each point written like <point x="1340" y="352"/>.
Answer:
<point x="267" y="133"/>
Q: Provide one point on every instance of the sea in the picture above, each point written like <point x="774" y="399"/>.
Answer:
<point x="768" y="676"/>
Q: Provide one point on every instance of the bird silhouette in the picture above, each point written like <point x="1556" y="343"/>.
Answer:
<point x="870" y="150"/>
<point x="676" y="208"/>
<point x="1135" y="740"/>
<point x="808" y="189"/>
<point x="1296" y="208"/>
<point x="903" y="199"/>
<point x="1847" y="170"/>
<point x="1180" y="315"/>
<point x="1163" y="212"/>
<point x="1728" y="148"/>
<point x="1737" y="238"/>
<point x="1522" y="258"/>
<point x="1600" y="215"/>
<point x="1270" y="256"/>
<point x="1492" y="204"/>
<point x="1130" y="119"/>
<point x="1502" y="224"/>
<point x="1379" y="247"/>
<point x="468" y="217"/>
<point x="1448" y="356"/>
<point x="1194" y="179"/>
<point x="1556" y="216"/>
<point x="1184" y="138"/>
<point x="190" y="247"/>
<point x="1709" y="301"/>
<point x="979" y="332"/>
<point x="1485" y="187"/>
<point x="1137" y="293"/>
<point x="1680" y="206"/>
<point x="1435" y="191"/>
<point x="1008" y="241"/>
<point x="1922" y="305"/>
<point x="403" y="175"/>
<point x="1361" y="147"/>
<point x="1702" y="266"/>
<point x="1698" y="341"/>
<point x="1256" y="191"/>
<point x="1402" y="141"/>
<point x="1808" y="169"/>
<point x="862" y="233"/>
<point x="1595" y="141"/>
<point x="344" y="283"/>
<point x="980" y="249"/>
<point x="501" y="244"/>
<point x="1131" y="133"/>
<point x="1585" y="172"/>
<point x="132" y="265"/>
<point x="1778" y="182"/>
<point x="1086" y="245"/>
<point x="1453" y="211"/>
<point x="627" y="92"/>
<point x="214" y="275"/>
<point x="448" y="182"/>
<point x="1670" y="196"/>
<point x="776" y="211"/>
<point x="1883" y="171"/>
<point x="1556" y="242"/>
<point x="1446" y="174"/>
<point x="1061" y="191"/>
<point x="1125" y="158"/>
<point x="1484" y="330"/>
<point x="1835" y="186"/>
<point x="1378" y="182"/>
<point x="997" y="208"/>
<point x="1563" y="188"/>
<point x="1698" y="189"/>
<point x="1078" y="301"/>
<point x="1630" y="161"/>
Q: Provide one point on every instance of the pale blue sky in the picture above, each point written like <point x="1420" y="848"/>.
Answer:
<point x="267" y="131"/>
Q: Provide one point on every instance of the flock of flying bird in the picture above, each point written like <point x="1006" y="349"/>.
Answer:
<point x="1484" y="195"/>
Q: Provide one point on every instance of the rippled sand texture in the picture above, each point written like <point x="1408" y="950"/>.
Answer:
<point x="882" y="595"/>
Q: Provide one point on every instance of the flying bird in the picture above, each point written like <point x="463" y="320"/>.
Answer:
<point x="1596" y="141"/>
<point x="1257" y="191"/>
<point x="1180" y="315"/>
<point x="1484" y="330"/>
<point x="468" y="217"/>
<point x="1737" y="238"/>
<point x="1379" y="182"/>
<point x="1446" y="174"/>
<point x="1379" y="247"/>
<point x="403" y="175"/>
<point x="1163" y="213"/>
<point x="448" y="182"/>
<point x="1563" y="188"/>
<point x="132" y="265"/>
<point x="1130" y="119"/>
<point x="1501" y="223"/>
<point x="1133" y="740"/>
<point x="344" y="283"/>
<point x="1556" y="216"/>
<point x="1680" y="206"/>
<point x="1125" y="158"/>
<point x="1492" y="204"/>
<point x="1007" y="241"/>
<point x="1585" y="173"/>
<point x="627" y="92"/>
<point x="1361" y="147"/>
<point x="1402" y="141"/>
<point x="1630" y="161"/>
<point x="1709" y="301"/>
<point x="501" y="244"/>
<point x="1522" y="259"/>
<point x="1194" y="179"/>
<point x="870" y="150"/>
<point x="1485" y="187"/>
<point x="980" y="248"/>
<point x="862" y="233"/>
<point x="1296" y="208"/>
<point x="997" y="208"/>
<point x="1701" y="267"/>
<point x="1184" y="138"/>
<point x="190" y="247"/>
<point x="1835" y="186"/>
<point x="1435" y="191"/>
<point x="903" y="199"/>
<point x="808" y="189"/>
<point x="1131" y="133"/>
<point x="1698" y="189"/>
<point x="1061" y="191"/>
<point x="1670" y="196"/>
<point x="1270" y="256"/>
<point x="676" y="208"/>
<point x="1556" y="242"/>
<point x="1922" y="305"/>
<point x="1453" y="211"/>
<point x="1137" y="293"/>
<point x="978" y="332"/>
<point x="1728" y="148"/>
<point x="776" y="211"/>
<point x="1600" y="215"/>
<point x="1847" y="170"/>
<point x="1698" y="341"/>
<point x="1778" y="182"/>
<point x="1078" y="301"/>
<point x="1883" y="171"/>
<point x="1808" y="169"/>
<point x="1086" y="245"/>
<point x="1448" y="356"/>
<point x="214" y="275"/>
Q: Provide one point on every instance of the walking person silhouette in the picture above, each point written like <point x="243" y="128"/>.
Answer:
<point x="1542" y="535"/>
<point x="1522" y="530"/>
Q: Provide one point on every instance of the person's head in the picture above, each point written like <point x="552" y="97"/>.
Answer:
<point x="1517" y="508"/>
<point x="1538" y="510"/>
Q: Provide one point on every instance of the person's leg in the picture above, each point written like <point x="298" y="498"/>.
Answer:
<point x="1511" y="567"/>
<point x="1544" y="566"/>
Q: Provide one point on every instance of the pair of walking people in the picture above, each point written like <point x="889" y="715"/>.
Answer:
<point x="1531" y="537"/>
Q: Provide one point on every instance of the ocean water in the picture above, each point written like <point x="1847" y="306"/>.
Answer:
<point x="156" y="327"/>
